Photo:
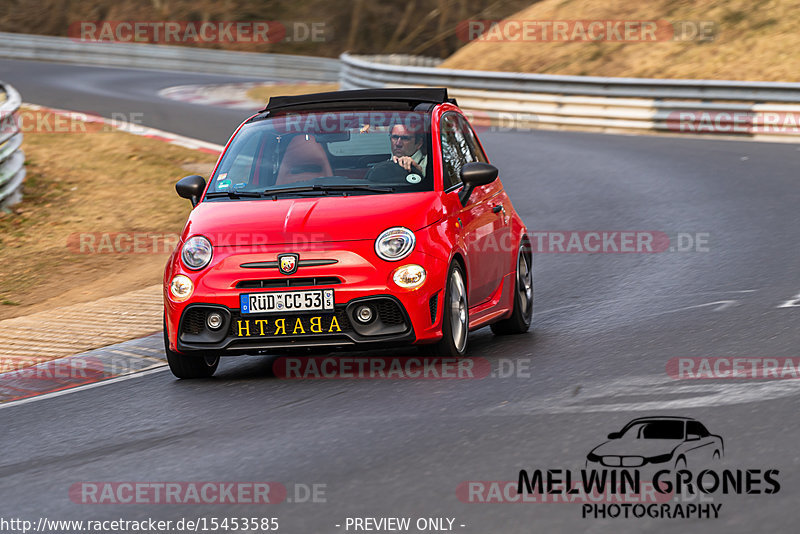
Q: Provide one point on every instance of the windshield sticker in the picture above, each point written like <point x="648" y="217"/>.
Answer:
<point x="413" y="178"/>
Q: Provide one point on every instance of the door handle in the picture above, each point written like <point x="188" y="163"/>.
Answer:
<point x="497" y="209"/>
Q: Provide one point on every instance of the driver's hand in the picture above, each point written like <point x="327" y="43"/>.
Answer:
<point x="406" y="162"/>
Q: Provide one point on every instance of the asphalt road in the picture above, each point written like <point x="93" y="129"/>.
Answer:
<point x="605" y="327"/>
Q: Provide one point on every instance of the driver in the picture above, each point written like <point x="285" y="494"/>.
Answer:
<point x="407" y="149"/>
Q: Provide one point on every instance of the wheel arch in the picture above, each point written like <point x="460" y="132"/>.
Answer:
<point x="458" y="257"/>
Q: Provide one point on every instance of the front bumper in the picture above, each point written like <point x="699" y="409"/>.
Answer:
<point x="355" y="274"/>
<point x="246" y="333"/>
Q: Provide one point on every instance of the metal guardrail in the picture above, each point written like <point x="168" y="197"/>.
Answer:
<point x="12" y="159"/>
<point x="521" y="100"/>
<point x="163" y="57"/>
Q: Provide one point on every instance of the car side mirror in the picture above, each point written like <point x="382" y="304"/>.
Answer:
<point x="614" y="435"/>
<point x="692" y="437"/>
<point x="191" y="187"/>
<point x="475" y="174"/>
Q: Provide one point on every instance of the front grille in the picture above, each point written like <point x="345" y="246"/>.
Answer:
<point x="274" y="264"/>
<point x="389" y="312"/>
<point x="193" y="322"/>
<point x="433" y="304"/>
<point x="344" y="322"/>
<point x="274" y="283"/>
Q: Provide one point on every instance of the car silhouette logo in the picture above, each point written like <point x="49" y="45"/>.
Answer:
<point x="287" y="263"/>
<point x="674" y="442"/>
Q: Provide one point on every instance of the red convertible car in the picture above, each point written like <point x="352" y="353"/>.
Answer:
<point x="366" y="218"/>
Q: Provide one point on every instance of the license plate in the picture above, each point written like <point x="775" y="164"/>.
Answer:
<point x="286" y="301"/>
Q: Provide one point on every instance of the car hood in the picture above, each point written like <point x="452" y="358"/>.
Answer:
<point x="308" y="220"/>
<point x="637" y="447"/>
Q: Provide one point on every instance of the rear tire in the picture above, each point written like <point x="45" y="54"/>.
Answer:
<point x="521" y="316"/>
<point x="455" y="316"/>
<point x="187" y="365"/>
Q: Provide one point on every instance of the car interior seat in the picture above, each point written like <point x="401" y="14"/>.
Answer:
<point x="304" y="159"/>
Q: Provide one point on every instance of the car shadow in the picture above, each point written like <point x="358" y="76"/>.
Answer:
<point x="483" y="344"/>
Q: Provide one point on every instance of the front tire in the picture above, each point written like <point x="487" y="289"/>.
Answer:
<point x="520" y="320"/>
<point x="189" y="366"/>
<point x="455" y="316"/>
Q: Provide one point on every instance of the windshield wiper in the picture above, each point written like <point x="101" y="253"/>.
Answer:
<point x="358" y="187"/>
<point x="326" y="188"/>
<point x="293" y="189"/>
<point x="234" y="194"/>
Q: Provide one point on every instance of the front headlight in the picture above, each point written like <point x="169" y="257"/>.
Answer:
<point x="181" y="287"/>
<point x="196" y="252"/>
<point x="395" y="243"/>
<point x="409" y="276"/>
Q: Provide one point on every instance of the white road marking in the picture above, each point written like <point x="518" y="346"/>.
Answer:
<point x="136" y="356"/>
<point x="720" y="305"/>
<point x="148" y="349"/>
<point x="656" y="392"/>
<point x="655" y="297"/>
<point x="151" y="370"/>
<point x="793" y="303"/>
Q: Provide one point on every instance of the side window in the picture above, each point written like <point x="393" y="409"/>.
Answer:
<point x="452" y="146"/>
<point x="695" y="427"/>
<point x="459" y="146"/>
<point x="472" y="141"/>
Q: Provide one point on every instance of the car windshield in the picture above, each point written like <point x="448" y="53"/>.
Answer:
<point x="655" y="430"/>
<point x="313" y="154"/>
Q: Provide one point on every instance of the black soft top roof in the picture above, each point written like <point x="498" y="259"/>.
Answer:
<point x="661" y="418"/>
<point x="361" y="98"/>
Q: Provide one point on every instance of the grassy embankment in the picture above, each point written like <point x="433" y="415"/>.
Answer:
<point x="82" y="183"/>
<point x="753" y="41"/>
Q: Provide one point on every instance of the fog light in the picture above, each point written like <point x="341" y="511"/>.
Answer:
<point x="364" y="314"/>
<point x="214" y="320"/>
<point x="181" y="287"/>
<point x="409" y="276"/>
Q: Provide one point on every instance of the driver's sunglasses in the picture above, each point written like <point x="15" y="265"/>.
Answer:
<point x="404" y="138"/>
